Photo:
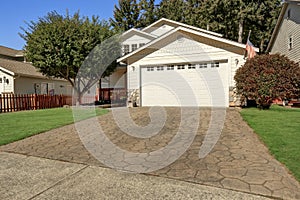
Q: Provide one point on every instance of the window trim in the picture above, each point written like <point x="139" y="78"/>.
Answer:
<point x="150" y="69"/>
<point x="180" y="67"/>
<point x="160" y="68"/>
<point x="203" y="66"/>
<point x="290" y="42"/>
<point x="126" y="47"/>
<point x="134" y="47"/>
<point x="191" y="66"/>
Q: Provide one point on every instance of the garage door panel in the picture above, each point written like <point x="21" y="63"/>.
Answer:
<point x="188" y="87"/>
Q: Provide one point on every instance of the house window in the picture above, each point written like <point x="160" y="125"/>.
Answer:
<point x="179" y="67"/>
<point x="170" y="67"/>
<point x="289" y="14"/>
<point x="126" y="49"/>
<point x="215" y="65"/>
<point x="0" y="80"/>
<point x="134" y="47"/>
<point x="141" y="44"/>
<point x="192" y="66"/>
<point x="149" y="69"/>
<point x="203" y="65"/>
<point x="160" y="68"/>
<point x="290" y="42"/>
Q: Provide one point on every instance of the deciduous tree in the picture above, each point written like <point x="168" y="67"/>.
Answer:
<point x="58" y="45"/>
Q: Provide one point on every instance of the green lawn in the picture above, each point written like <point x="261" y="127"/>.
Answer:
<point x="19" y="125"/>
<point x="279" y="129"/>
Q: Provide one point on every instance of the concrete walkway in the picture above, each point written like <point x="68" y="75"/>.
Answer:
<point x="239" y="162"/>
<point x="24" y="177"/>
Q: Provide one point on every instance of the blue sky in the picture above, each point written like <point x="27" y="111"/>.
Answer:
<point x="14" y="13"/>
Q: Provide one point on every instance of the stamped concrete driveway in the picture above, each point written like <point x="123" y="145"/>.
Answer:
<point x="239" y="161"/>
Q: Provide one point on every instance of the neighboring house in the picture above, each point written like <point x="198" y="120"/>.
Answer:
<point x="174" y="64"/>
<point x="286" y="36"/>
<point x="20" y="77"/>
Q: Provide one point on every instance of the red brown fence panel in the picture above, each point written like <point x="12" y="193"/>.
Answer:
<point x="18" y="102"/>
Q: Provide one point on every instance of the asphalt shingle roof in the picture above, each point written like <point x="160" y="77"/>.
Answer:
<point x="20" y="68"/>
<point x="10" y="52"/>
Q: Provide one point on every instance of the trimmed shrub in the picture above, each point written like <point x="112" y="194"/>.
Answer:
<point x="267" y="77"/>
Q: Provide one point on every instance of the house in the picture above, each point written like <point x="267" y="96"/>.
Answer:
<point x="20" y="77"/>
<point x="286" y="36"/>
<point x="173" y="64"/>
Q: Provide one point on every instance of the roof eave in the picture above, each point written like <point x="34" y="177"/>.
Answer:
<point x="277" y="27"/>
<point x="124" y="58"/>
<point x="181" y="24"/>
<point x="138" y="31"/>
<point x="7" y="71"/>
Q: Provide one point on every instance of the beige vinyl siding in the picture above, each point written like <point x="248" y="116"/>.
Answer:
<point x="184" y="50"/>
<point x="161" y="30"/>
<point x="135" y="40"/>
<point x="290" y="27"/>
<point x="4" y="86"/>
<point x="25" y="85"/>
<point x="115" y="80"/>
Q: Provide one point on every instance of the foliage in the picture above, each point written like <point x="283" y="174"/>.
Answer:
<point x="267" y="77"/>
<point x="172" y="9"/>
<point x="57" y="45"/>
<point x="148" y="13"/>
<point x="232" y="18"/>
<point x="126" y="15"/>
<point x="19" y="125"/>
<point x="279" y="129"/>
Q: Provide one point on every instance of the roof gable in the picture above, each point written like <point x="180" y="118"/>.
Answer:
<point x="193" y="34"/>
<point x="280" y="21"/>
<point x="164" y="21"/>
<point x="134" y="31"/>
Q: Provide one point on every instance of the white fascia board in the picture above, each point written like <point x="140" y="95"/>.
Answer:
<point x="226" y="41"/>
<point x="7" y="71"/>
<point x="183" y="25"/>
<point x="138" y="31"/>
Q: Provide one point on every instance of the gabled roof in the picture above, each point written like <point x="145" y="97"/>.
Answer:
<point x="136" y="31"/>
<point x="20" y="68"/>
<point x="187" y="31"/>
<point x="10" y="52"/>
<point x="279" y="21"/>
<point x="163" y="21"/>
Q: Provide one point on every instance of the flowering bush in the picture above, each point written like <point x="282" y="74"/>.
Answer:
<point x="267" y="77"/>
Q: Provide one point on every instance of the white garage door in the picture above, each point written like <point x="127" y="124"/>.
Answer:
<point x="201" y="85"/>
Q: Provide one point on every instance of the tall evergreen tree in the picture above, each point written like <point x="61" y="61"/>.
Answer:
<point x="148" y="12"/>
<point x="172" y="9"/>
<point x="193" y="13"/>
<point x="126" y="15"/>
<point x="234" y="19"/>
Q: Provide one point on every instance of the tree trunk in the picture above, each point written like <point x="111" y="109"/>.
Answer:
<point x="241" y="30"/>
<point x="100" y="90"/>
<point x="262" y="45"/>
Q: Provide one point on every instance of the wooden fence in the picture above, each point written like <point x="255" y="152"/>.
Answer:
<point x="112" y="94"/>
<point x="18" y="102"/>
